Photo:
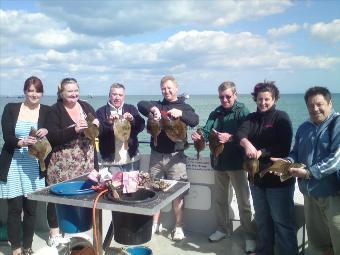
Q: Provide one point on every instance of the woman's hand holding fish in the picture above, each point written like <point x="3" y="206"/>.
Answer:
<point x="95" y="122"/>
<point x="27" y="141"/>
<point x="80" y="125"/>
<point x="175" y="113"/>
<point x="42" y="132"/>
<point x="250" y="150"/>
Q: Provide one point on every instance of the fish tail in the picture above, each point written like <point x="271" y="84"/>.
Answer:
<point x="42" y="165"/>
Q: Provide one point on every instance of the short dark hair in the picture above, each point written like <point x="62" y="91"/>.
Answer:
<point x="117" y="86"/>
<point x="266" y="86"/>
<point x="318" y="91"/>
<point x="36" y="82"/>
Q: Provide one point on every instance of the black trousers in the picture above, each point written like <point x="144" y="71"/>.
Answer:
<point x="52" y="219"/>
<point x="15" y="207"/>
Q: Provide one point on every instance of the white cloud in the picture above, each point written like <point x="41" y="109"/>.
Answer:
<point x="113" y="18"/>
<point x="304" y="62"/>
<point x="184" y="51"/>
<point x="38" y="31"/>
<point x="88" y="41"/>
<point x="284" y="30"/>
<point x="327" y="31"/>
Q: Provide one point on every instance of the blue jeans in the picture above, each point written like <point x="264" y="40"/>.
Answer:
<point x="274" y="217"/>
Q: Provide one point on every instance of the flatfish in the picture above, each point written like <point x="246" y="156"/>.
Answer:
<point x="92" y="131"/>
<point x="200" y="143"/>
<point x="281" y="166"/>
<point x="215" y="146"/>
<point x="153" y="127"/>
<point x="40" y="149"/>
<point x="174" y="128"/>
<point x="252" y="166"/>
<point x="122" y="130"/>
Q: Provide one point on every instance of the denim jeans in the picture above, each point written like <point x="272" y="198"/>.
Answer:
<point x="274" y="217"/>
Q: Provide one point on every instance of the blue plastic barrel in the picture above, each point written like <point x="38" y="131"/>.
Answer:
<point x="73" y="219"/>
<point x="139" y="250"/>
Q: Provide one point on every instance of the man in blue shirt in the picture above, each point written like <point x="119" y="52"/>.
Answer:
<point x="317" y="145"/>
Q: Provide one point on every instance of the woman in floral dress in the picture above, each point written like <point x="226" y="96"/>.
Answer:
<point x="73" y="154"/>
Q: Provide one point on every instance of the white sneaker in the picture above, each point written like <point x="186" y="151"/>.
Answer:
<point x="178" y="234"/>
<point x="55" y="241"/>
<point x="217" y="236"/>
<point x="250" y="246"/>
<point x="157" y="228"/>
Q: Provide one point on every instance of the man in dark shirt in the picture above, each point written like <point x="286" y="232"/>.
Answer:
<point x="167" y="159"/>
<point x="114" y="109"/>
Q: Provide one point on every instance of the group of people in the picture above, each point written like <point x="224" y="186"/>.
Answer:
<point x="265" y="135"/>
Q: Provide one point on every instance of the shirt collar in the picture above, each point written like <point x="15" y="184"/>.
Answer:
<point x="114" y="109"/>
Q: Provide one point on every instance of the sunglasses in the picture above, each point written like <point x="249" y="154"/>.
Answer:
<point x="226" y="97"/>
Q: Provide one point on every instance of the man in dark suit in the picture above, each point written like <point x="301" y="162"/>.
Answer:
<point x="107" y="114"/>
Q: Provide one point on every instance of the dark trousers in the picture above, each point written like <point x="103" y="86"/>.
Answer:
<point x="15" y="207"/>
<point x="52" y="219"/>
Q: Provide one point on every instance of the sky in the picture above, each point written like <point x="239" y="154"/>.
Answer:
<point x="201" y="43"/>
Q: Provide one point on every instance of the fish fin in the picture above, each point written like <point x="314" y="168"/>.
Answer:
<point x="126" y="145"/>
<point x="285" y="177"/>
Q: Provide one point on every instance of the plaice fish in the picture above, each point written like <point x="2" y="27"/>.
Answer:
<point x="252" y="166"/>
<point x="281" y="166"/>
<point x="92" y="131"/>
<point x="40" y="149"/>
<point x="200" y="143"/>
<point x="174" y="128"/>
<point x="122" y="130"/>
<point x="215" y="146"/>
<point x="153" y="127"/>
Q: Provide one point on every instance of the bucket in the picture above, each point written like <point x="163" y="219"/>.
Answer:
<point x="73" y="219"/>
<point x="139" y="250"/>
<point x="130" y="228"/>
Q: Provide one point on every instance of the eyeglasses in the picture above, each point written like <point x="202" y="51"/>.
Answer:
<point x="69" y="80"/>
<point x="226" y="97"/>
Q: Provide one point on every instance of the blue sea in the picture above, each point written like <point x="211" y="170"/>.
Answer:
<point x="293" y="104"/>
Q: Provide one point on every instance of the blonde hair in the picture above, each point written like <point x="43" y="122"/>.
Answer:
<point x="61" y="86"/>
<point x="168" y="78"/>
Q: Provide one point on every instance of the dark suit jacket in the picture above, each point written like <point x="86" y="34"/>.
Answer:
<point x="8" y="122"/>
<point x="107" y="137"/>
